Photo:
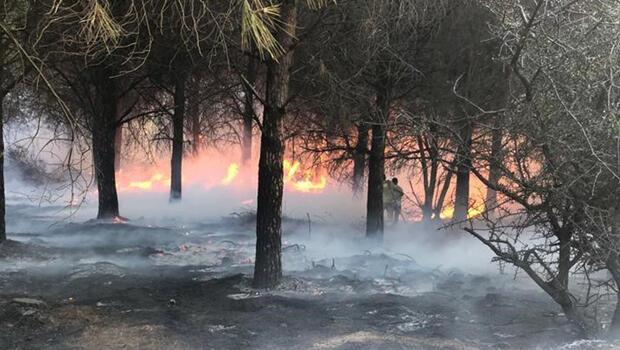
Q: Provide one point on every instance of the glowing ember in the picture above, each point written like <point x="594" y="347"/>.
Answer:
<point x="233" y="171"/>
<point x="118" y="220"/>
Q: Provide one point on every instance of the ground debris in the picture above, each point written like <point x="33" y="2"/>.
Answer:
<point x="29" y="302"/>
<point x="98" y="268"/>
<point x="10" y="249"/>
<point x="368" y="339"/>
<point x="588" y="345"/>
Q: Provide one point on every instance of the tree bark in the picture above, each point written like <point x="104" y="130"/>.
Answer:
<point x="443" y="194"/>
<point x="561" y="293"/>
<point x="103" y="134"/>
<point x="430" y="169"/>
<point x="359" y="157"/>
<point x="118" y="146"/>
<point x="268" y="265"/>
<point x="376" y="171"/>
<point x="495" y="171"/>
<point x="613" y="265"/>
<point x="176" y="164"/>
<point x="126" y="104"/>
<point x="463" y="168"/>
<point x="193" y="110"/>
<point x="2" y="198"/>
<point x="248" y="109"/>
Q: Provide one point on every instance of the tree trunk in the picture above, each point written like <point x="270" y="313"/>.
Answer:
<point x="103" y="134"/>
<point x="178" y="119"/>
<point x="558" y="287"/>
<point x="118" y="147"/>
<point x="463" y="168"/>
<point x="443" y="193"/>
<point x="430" y="169"/>
<point x="376" y="171"/>
<point x="495" y="171"/>
<point x="248" y="109"/>
<point x="359" y="157"/>
<point x="577" y="319"/>
<point x="268" y="265"/>
<point x="562" y="296"/>
<point x="2" y="198"/>
<point x="193" y="110"/>
<point x="613" y="265"/>
<point x="126" y="104"/>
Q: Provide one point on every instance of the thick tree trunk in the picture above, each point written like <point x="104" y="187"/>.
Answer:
<point x="248" y="109"/>
<point x="178" y="119"/>
<point x="118" y="147"/>
<point x="376" y="171"/>
<point x="359" y="157"/>
<point x="463" y="168"/>
<point x="2" y="198"/>
<point x="268" y="265"/>
<point x="103" y="134"/>
<point x="495" y="171"/>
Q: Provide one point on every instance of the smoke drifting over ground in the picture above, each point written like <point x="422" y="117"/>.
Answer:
<point x="184" y="283"/>
<point x="177" y="276"/>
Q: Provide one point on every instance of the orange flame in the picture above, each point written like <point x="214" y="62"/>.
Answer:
<point x="233" y="171"/>
<point x="304" y="181"/>
<point x="474" y="211"/>
<point x="155" y="179"/>
<point x="221" y="172"/>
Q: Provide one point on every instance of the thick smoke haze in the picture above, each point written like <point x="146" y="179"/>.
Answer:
<point x="211" y="234"/>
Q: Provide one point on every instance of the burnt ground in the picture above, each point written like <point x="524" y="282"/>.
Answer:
<point x="134" y="286"/>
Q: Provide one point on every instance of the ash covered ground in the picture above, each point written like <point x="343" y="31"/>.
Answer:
<point x="172" y="285"/>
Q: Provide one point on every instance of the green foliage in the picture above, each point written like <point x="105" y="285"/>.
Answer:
<point x="259" y="19"/>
